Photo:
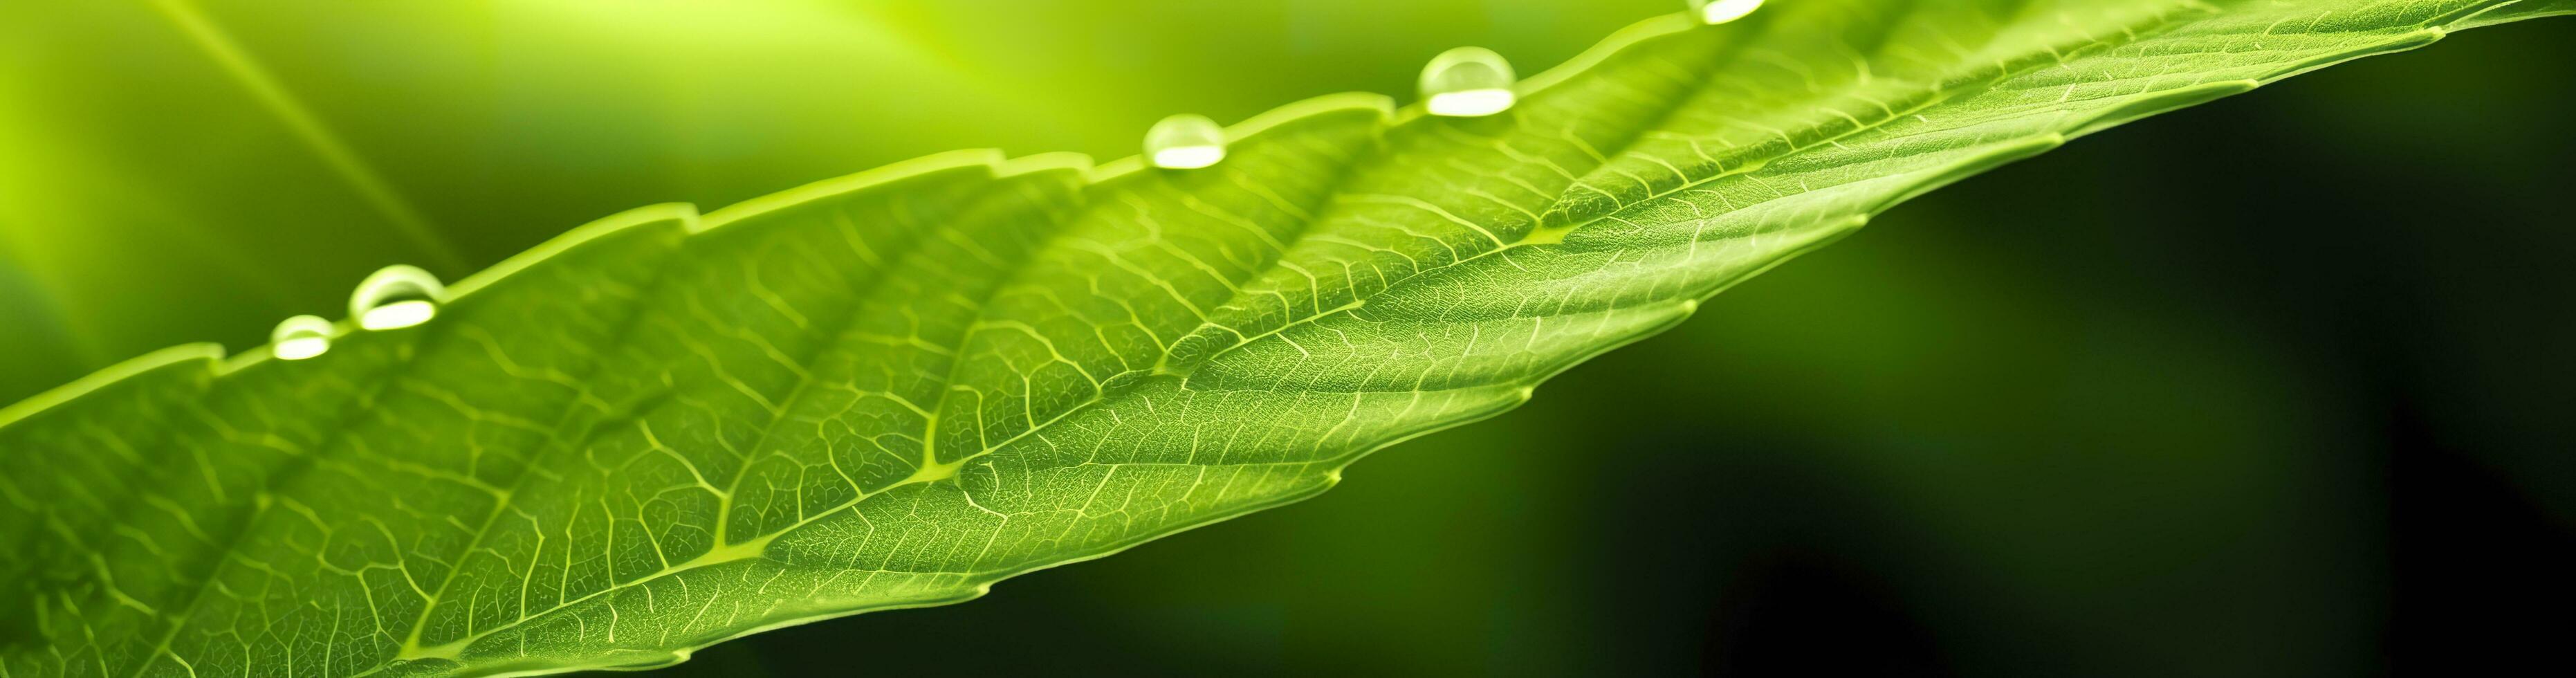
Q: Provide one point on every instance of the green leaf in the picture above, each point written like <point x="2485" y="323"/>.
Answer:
<point x="893" y="389"/>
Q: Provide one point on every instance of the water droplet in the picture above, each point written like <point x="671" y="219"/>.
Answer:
<point x="1467" y="82"/>
<point x="1722" y="11"/>
<point x="396" y="296"/>
<point x="300" y="337"/>
<point x="1185" y="141"/>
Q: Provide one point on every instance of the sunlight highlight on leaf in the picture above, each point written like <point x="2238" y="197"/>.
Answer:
<point x="892" y="389"/>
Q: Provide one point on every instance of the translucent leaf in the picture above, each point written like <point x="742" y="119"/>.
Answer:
<point x="896" y="388"/>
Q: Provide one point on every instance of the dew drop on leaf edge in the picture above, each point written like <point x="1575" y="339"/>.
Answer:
<point x="395" y="297"/>
<point x="1722" y="11"/>
<point x="1467" y="82"/>
<point x="300" y="337"/>
<point x="1185" y="141"/>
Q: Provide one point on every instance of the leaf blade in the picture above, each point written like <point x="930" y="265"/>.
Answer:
<point x="894" y="389"/>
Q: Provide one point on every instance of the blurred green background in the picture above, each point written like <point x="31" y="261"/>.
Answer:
<point x="2276" y="386"/>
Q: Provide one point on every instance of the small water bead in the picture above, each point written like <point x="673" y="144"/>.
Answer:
<point x="1467" y="82"/>
<point x="1185" y="141"/>
<point x="300" y="337"/>
<point x="396" y="296"/>
<point x="1722" y="11"/>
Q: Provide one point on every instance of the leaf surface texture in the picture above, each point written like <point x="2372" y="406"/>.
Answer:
<point x="893" y="389"/>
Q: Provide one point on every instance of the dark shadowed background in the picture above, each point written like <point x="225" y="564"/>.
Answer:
<point x="2281" y="385"/>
